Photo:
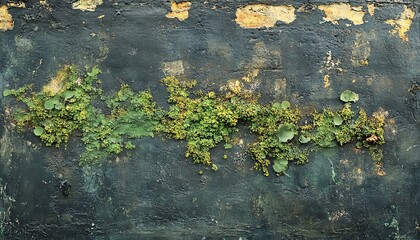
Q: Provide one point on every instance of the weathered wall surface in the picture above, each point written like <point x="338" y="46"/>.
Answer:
<point x="304" y="52"/>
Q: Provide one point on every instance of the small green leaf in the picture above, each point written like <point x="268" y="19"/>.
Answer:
<point x="338" y="120"/>
<point x="228" y="146"/>
<point x="7" y="92"/>
<point x="285" y="104"/>
<point x="95" y="71"/>
<point x="349" y="96"/>
<point x="304" y="139"/>
<point x="49" y="104"/>
<point x="280" y="165"/>
<point x="58" y="106"/>
<point x="68" y="94"/>
<point x="277" y="105"/>
<point x="286" y="132"/>
<point x="38" y="131"/>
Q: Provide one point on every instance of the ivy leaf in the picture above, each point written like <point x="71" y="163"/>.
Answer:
<point x="38" y="131"/>
<point x="280" y="165"/>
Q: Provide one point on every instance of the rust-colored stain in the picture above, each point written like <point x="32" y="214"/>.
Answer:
<point x="87" y="5"/>
<point x="6" y="20"/>
<point x="261" y="15"/>
<point x="337" y="11"/>
<point x="179" y="10"/>
<point x="402" y="25"/>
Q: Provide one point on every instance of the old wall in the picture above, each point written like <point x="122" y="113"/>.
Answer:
<point x="307" y="53"/>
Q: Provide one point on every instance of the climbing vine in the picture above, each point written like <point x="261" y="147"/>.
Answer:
<point x="71" y="102"/>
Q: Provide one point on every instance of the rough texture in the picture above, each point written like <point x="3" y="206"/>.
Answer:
<point x="402" y="24"/>
<point x="260" y="15"/>
<point x="153" y="192"/>
<point x="87" y="5"/>
<point x="179" y="10"/>
<point x="335" y="12"/>
<point x="6" y="20"/>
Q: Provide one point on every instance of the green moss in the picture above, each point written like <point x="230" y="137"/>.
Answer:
<point x="203" y="120"/>
<point x="65" y="105"/>
<point x="55" y="112"/>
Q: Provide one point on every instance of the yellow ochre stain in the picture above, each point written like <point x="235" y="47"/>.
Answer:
<point x="402" y="25"/>
<point x="179" y="10"/>
<point x="251" y="75"/>
<point x="16" y="4"/>
<point x="87" y="5"/>
<point x="261" y="15"/>
<point x="337" y="11"/>
<point x="327" y="82"/>
<point x="371" y="9"/>
<point x="6" y="20"/>
<point x="57" y="84"/>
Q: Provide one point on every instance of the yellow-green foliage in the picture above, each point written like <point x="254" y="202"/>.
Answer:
<point x="203" y="120"/>
<point x="54" y="115"/>
<point x="65" y="105"/>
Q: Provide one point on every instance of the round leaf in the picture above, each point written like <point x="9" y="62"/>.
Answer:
<point x="280" y="165"/>
<point x="304" y="139"/>
<point x="49" y="104"/>
<point x="277" y="105"/>
<point x="349" y="96"/>
<point x="286" y="132"/>
<point x="68" y="94"/>
<point x="338" y="120"/>
<point x="59" y="106"/>
<point x="285" y="104"/>
<point x="38" y="131"/>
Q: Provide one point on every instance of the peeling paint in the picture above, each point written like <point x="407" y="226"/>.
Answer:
<point x="251" y="75"/>
<point x="261" y="15"/>
<point x="280" y="88"/>
<point x="337" y="11"/>
<point x="179" y="10"/>
<point x="331" y="64"/>
<point x="402" y="25"/>
<point x="174" y="68"/>
<point x="16" y="4"/>
<point x="371" y="9"/>
<point x="361" y="51"/>
<point x="327" y="82"/>
<point x="87" y="5"/>
<point x="6" y="20"/>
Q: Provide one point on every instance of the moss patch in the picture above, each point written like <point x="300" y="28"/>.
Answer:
<point x="203" y="120"/>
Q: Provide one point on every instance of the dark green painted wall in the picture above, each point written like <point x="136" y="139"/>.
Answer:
<point x="154" y="192"/>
